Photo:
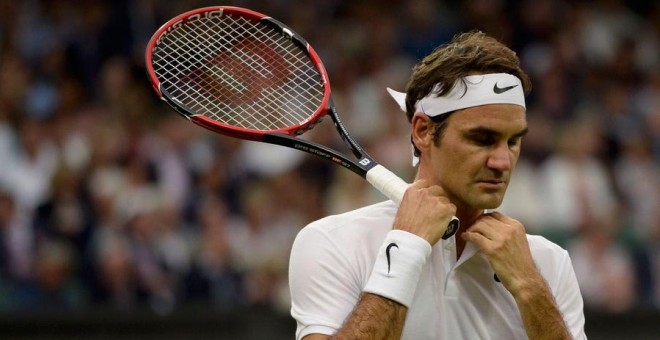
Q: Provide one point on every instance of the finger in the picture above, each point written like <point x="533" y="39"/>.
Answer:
<point x="501" y="217"/>
<point x="478" y="239"/>
<point x="416" y="186"/>
<point x="508" y="221"/>
<point x="419" y="184"/>
<point x="433" y="190"/>
<point x="486" y="227"/>
<point x="437" y="191"/>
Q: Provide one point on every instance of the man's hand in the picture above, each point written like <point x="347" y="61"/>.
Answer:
<point x="425" y="211"/>
<point x="504" y="241"/>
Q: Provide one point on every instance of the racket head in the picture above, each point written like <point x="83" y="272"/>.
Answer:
<point x="238" y="72"/>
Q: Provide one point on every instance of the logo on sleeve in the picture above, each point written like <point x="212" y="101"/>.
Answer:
<point x="500" y="90"/>
<point x="387" y="253"/>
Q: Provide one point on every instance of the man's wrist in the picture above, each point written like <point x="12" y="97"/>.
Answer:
<point x="398" y="266"/>
<point x="524" y="290"/>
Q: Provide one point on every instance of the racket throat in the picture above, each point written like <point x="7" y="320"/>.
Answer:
<point x="360" y="167"/>
<point x="346" y="137"/>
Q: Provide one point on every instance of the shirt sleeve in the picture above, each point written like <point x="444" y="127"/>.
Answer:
<point x="569" y="299"/>
<point x="324" y="287"/>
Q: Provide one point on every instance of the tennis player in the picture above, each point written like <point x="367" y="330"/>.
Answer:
<point x="384" y="272"/>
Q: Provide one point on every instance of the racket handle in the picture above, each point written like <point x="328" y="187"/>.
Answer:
<point x="394" y="187"/>
<point x="387" y="183"/>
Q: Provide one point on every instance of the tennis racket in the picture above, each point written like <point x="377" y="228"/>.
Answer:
<point x="246" y="75"/>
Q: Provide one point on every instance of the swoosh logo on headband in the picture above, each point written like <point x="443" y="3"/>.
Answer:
<point x="499" y="90"/>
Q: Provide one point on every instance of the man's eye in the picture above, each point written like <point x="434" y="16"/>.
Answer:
<point x="515" y="142"/>
<point x="483" y="140"/>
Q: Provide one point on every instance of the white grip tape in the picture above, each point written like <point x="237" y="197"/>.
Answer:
<point x="398" y="267"/>
<point x="387" y="182"/>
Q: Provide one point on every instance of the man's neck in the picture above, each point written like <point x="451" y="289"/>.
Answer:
<point x="467" y="218"/>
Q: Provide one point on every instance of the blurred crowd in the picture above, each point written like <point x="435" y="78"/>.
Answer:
<point x="107" y="197"/>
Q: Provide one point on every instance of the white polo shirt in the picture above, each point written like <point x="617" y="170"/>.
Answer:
<point x="332" y="259"/>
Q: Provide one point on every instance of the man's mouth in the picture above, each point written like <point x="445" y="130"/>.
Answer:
<point x="492" y="183"/>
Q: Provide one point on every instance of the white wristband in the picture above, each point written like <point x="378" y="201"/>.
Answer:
<point x="398" y="266"/>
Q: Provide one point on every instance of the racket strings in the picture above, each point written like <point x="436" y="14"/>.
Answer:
<point x="239" y="73"/>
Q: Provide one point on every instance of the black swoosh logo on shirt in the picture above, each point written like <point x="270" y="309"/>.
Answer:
<point x="387" y="253"/>
<point x="500" y="90"/>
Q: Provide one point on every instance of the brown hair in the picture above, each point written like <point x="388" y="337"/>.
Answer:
<point x="466" y="54"/>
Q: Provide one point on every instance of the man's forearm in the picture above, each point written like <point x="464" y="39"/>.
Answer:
<point x="540" y="314"/>
<point x="374" y="317"/>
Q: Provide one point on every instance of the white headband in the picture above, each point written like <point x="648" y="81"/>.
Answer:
<point x="494" y="88"/>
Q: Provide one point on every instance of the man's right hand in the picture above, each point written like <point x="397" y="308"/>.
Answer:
<point x="424" y="211"/>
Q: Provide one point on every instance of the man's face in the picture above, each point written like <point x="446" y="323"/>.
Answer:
<point x="476" y="154"/>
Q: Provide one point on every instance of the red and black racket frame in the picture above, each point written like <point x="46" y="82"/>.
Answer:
<point x="284" y="137"/>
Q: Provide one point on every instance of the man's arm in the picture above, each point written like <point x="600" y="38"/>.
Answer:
<point x="422" y="213"/>
<point x="374" y="317"/>
<point x="504" y="242"/>
<point x="539" y="312"/>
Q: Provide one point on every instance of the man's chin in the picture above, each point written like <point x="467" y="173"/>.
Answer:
<point x="489" y="201"/>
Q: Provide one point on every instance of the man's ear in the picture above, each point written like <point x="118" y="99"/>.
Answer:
<point x="422" y="131"/>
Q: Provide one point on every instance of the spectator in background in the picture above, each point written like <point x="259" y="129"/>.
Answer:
<point x="56" y="285"/>
<point x="115" y="282"/>
<point x="525" y="197"/>
<point x="576" y="186"/>
<point x="66" y="219"/>
<point x="155" y="284"/>
<point x="256" y="244"/>
<point x="604" y="269"/>
<point x="647" y="103"/>
<point x="17" y="250"/>
<point x="636" y="177"/>
<point x="213" y="276"/>
<point x="174" y="245"/>
<point x="29" y="172"/>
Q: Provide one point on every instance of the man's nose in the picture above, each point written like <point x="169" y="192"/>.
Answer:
<point x="500" y="158"/>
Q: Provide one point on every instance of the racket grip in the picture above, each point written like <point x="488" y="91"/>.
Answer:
<point x="387" y="183"/>
<point x="394" y="188"/>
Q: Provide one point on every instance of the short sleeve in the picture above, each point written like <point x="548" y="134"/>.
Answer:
<point x="324" y="287"/>
<point x="569" y="299"/>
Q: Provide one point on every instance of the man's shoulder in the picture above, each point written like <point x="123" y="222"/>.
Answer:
<point x="541" y="243"/>
<point x="371" y="218"/>
<point x="354" y="236"/>
<point x="544" y="249"/>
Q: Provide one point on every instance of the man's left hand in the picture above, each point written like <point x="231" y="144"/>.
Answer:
<point x="504" y="242"/>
